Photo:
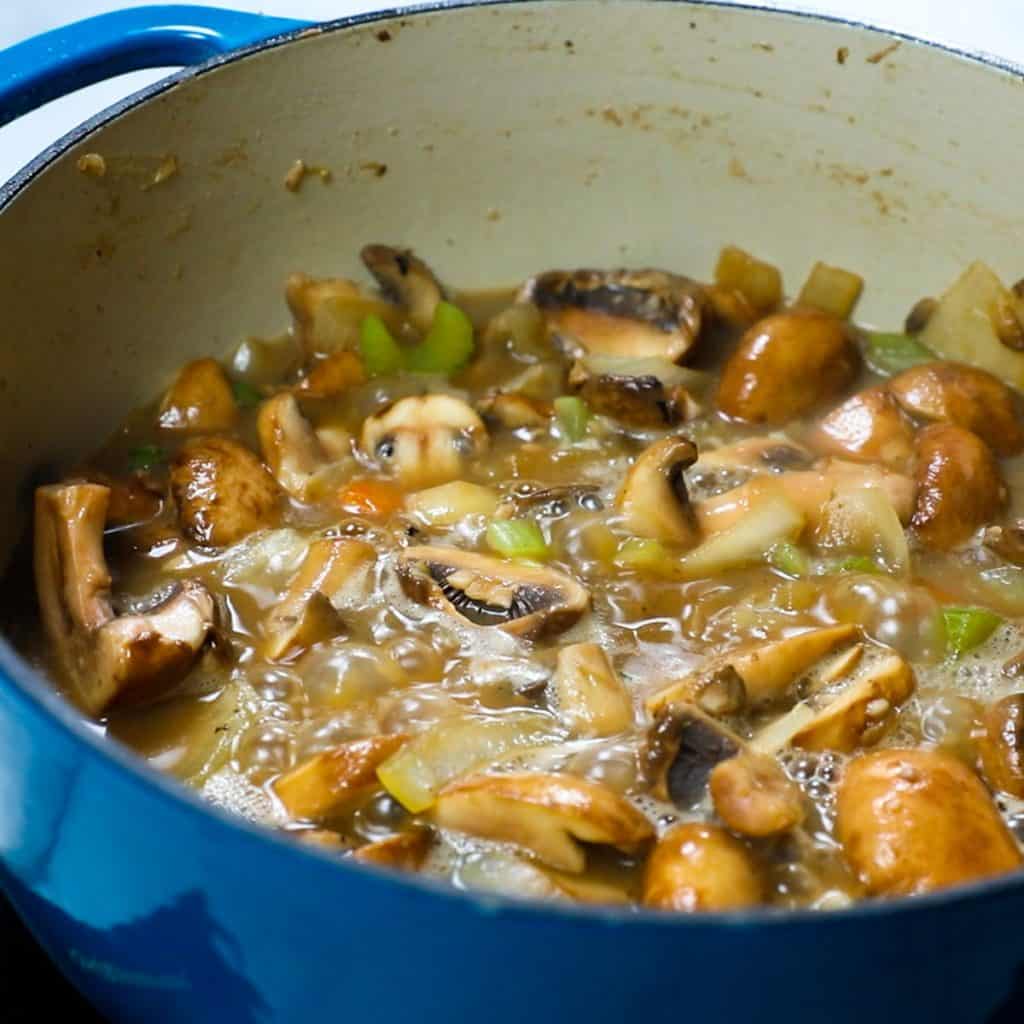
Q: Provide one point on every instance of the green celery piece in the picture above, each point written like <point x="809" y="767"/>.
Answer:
<point x="380" y="352"/>
<point x="146" y="457"/>
<point x="573" y="416"/>
<point x="448" y="345"/>
<point x="647" y="556"/>
<point x="245" y="394"/>
<point x="889" y="353"/>
<point x="518" y="538"/>
<point x="790" y="559"/>
<point x="967" y="628"/>
<point x="858" y="563"/>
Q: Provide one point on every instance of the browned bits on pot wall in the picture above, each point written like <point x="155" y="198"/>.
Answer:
<point x="786" y="365"/>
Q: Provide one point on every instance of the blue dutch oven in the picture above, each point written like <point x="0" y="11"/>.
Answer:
<point x="496" y="138"/>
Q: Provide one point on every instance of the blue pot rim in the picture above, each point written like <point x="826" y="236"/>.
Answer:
<point x="37" y="691"/>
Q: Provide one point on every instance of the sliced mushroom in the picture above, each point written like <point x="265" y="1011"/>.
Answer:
<point x="681" y="749"/>
<point x="406" y="279"/>
<point x="106" y="658"/>
<point x="590" y="697"/>
<point x="697" y="867"/>
<point x="768" y="671"/>
<point x="912" y="821"/>
<point x="404" y="852"/>
<point x="687" y="754"/>
<point x="514" y="411"/>
<point x="964" y="396"/>
<point x="200" y="399"/>
<point x="524" y="600"/>
<point x="860" y="713"/>
<point x="328" y="312"/>
<point x="293" y="450"/>
<point x="959" y="486"/>
<point x="629" y="314"/>
<point x="425" y="440"/>
<point x="653" y="498"/>
<point x="787" y="364"/>
<point x="339" y="372"/>
<point x="637" y="392"/>
<point x="1001" y="745"/>
<point x="869" y="427"/>
<point x="545" y="814"/>
<point x="772" y="454"/>
<point x="222" y="491"/>
<point x="754" y="796"/>
<point x="326" y="782"/>
<point x="305" y="615"/>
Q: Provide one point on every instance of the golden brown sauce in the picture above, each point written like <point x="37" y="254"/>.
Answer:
<point x="431" y="717"/>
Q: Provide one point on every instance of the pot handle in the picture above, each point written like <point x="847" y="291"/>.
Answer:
<point x="56" y="63"/>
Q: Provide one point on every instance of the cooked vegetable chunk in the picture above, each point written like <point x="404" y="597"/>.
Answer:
<point x="912" y="821"/>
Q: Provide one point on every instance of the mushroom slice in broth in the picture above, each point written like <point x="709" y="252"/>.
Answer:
<point x="524" y="600"/>
<point x="630" y="314"/>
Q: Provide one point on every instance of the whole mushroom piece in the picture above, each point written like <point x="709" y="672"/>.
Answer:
<point x="132" y="658"/>
<point x="912" y="821"/>
<point x="222" y="491"/>
<point x="787" y="364"/>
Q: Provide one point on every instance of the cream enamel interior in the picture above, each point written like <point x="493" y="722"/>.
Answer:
<point x="514" y="136"/>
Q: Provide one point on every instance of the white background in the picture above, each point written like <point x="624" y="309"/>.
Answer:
<point x="992" y="26"/>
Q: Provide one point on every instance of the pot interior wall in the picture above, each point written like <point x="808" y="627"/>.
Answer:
<point x="496" y="141"/>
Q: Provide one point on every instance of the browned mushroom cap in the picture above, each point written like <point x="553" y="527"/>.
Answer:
<point x="137" y="656"/>
<point x="200" y="399"/>
<point x="767" y="671"/>
<point x="629" y="314"/>
<point x="524" y="600"/>
<point x="133" y="499"/>
<point x="305" y="615"/>
<point x="787" y="364"/>
<point x="964" y="396"/>
<point x="403" y="852"/>
<point x="425" y="440"/>
<point x="1001" y="745"/>
<point x="222" y="491"/>
<point x="637" y="392"/>
<point x="339" y="372"/>
<point x="328" y="312"/>
<point x="697" y="867"/>
<point x="912" y="821"/>
<point x="870" y="427"/>
<point x="405" y="279"/>
<point x="591" y="698"/>
<point x="328" y="781"/>
<point x="754" y="797"/>
<point x="653" y="498"/>
<point x="959" y="486"/>
<point x="545" y="814"/>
